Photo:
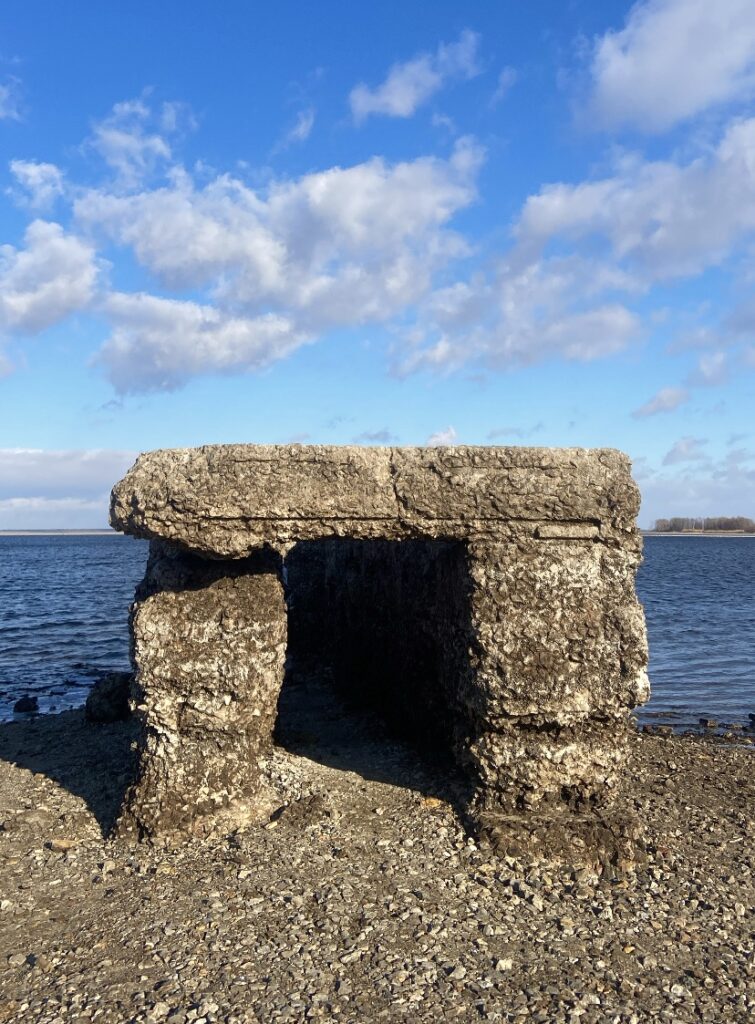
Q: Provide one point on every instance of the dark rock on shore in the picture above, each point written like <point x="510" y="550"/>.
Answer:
<point x="26" y="705"/>
<point x="108" y="699"/>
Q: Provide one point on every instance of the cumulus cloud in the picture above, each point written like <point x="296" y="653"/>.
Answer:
<point x="157" y="344"/>
<point x="666" y="400"/>
<point x="673" y="59"/>
<point x="663" y="219"/>
<point x="42" y="283"/>
<point x="686" y="449"/>
<point x="40" y="184"/>
<point x="345" y="246"/>
<point x="442" y="438"/>
<point x="520" y="315"/>
<point x="410" y="84"/>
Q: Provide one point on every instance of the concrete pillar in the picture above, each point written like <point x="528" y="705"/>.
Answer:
<point x="209" y="645"/>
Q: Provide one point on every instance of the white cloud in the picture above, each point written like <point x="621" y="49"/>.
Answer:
<point x="157" y="343"/>
<point x="649" y="223"/>
<point x="523" y="315"/>
<point x="673" y="59"/>
<point x="663" y="219"/>
<point x="42" y="283"/>
<point x="125" y="142"/>
<point x="506" y="79"/>
<point x="41" y="183"/>
<point x="10" y="100"/>
<point x="666" y="400"/>
<point x="711" y="370"/>
<point x="410" y="84"/>
<point x="345" y="246"/>
<point x="442" y="438"/>
<point x="36" y="474"/>
<point x="302" y="127"/>
<point x="686" y="449"/>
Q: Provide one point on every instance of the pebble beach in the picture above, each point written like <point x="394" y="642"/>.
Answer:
<point x="361" y="897"/>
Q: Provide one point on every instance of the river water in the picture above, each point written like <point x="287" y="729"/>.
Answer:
<point x="64" y="619"/>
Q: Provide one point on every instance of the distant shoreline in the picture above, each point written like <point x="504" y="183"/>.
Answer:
<point x="698" y="533"/>
<point x="61" y="533"/>
<point x="115" y="533"/>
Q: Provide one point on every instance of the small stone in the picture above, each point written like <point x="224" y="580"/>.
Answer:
<point x="505" y="964"/>
<point x="458" y="973"/>
<point x="62" y="845"/>
<point x="26" y="705"/>
<point x="17" y="959"/>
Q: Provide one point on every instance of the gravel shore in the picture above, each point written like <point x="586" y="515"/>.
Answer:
<point x="361" y="897"/>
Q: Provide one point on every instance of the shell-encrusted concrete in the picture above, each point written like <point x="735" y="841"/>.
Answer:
<point x="481" y="597"/>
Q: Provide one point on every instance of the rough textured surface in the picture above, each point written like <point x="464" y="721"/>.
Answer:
<point x="108" y="700"/>
<point x="481" y="597"/>
<point x="209" y="647"/>
<point x="362" y="899"/>
<point x="225" y="501"/>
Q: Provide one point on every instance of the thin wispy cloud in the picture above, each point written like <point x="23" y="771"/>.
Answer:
<point x="383" y="436"/>
<point x="521" y="433"/>
<point x="299" y="131"/>
<point x="410" y="84"/>
<point x="666" y="400"/>
<point x="10" y="100"/>
<point x="506" y="80"/>
<point x="686" y="449"/>
<point x="442" y="438"/>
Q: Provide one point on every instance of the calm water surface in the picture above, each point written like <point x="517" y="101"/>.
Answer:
<point x="64" y="613"/>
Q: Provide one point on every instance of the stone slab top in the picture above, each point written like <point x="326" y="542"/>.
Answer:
<point x="225" y="501"/>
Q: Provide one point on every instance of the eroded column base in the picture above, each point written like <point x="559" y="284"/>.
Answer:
<point x="605" y="842"/>
<point x="209" y="650"/>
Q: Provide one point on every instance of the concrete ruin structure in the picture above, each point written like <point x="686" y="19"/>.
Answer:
<point x="480" y="597"/>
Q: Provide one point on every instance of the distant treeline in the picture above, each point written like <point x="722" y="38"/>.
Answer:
<point x="679" y="525"/>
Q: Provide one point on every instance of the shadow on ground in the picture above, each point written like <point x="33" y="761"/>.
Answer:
<point x="92" y="761"/>
<point x="315" y="722"/>
<point x="96" y="763"/>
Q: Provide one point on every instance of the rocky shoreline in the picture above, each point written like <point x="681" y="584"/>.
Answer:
<point x="360" y="897"/>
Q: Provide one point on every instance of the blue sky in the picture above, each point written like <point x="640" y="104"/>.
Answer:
<point x="397" y="223"/>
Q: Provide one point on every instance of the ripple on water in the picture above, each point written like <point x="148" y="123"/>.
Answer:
<point x="64" y="617"/>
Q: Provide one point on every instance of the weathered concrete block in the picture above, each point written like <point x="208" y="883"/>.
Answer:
<point x="485" y="596"/>
<point x="209" y="643"/>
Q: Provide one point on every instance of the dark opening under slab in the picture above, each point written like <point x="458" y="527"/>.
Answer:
<point x="378" y="655"/>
